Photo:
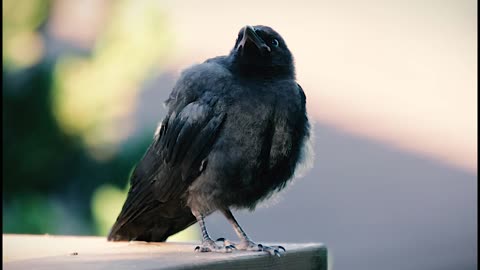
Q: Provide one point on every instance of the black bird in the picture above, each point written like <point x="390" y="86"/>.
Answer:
<point x="234" y="134"/>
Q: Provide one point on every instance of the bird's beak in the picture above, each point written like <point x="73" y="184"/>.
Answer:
<point x="249" y="36"/>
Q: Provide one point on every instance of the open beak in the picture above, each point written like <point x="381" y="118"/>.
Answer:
<point x="250" y="37"/>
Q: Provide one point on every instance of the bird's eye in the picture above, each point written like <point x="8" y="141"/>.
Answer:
<point x="275" y="42"/>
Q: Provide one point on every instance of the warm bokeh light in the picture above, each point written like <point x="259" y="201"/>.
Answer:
<point x="22" y="46"/>
<point x="95" y="94"/>
<point x="107" y="202"/>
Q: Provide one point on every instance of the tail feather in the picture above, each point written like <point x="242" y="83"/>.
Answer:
<point x="155" y="224"/>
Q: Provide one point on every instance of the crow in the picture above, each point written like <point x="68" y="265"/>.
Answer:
<point x="234" y="134"/>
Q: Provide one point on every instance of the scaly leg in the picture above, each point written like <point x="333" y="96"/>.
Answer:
<point x="245" y="242"/>
<point x="208" y="245"/>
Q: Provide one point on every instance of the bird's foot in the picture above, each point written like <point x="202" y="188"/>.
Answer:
<point x="252" y="246"/>
<point x="210" y="246"/>
<point x="273" y="250"/>
<point x="227" y="243"/>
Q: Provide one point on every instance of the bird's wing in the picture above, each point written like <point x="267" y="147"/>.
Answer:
<point x="174" y="159"/>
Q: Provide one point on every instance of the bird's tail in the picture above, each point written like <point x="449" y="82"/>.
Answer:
<point x="155" y="223"/>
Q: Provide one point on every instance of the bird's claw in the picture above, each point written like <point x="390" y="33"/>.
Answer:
<point x="210" y="246"/>
<point x="251" y="246"/>
<point x="273" y="250"/>
<point x="228" y="246"/>
<point x="227" y="243"/>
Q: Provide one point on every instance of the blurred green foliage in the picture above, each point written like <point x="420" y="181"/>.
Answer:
<point x="67" y="153"/>
<point x="107" y="197"/>
<point x="21" y="19"/>
<point x="94" y="94"/>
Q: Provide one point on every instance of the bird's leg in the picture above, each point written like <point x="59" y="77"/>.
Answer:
<point x="208" y="245"/>
<point x="245" y="242"/>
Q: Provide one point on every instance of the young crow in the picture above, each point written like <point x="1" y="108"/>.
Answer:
<point x="233" y="135"/>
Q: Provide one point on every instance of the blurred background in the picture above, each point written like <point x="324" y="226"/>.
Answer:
<point x="391" y="90"/>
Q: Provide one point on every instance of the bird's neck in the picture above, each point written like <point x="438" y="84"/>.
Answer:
<point x="247" y="69"/>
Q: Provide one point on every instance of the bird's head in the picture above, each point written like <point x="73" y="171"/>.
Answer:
<point x="261" y="52"/>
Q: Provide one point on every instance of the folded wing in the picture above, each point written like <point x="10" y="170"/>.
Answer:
<point x="155" y="206"/>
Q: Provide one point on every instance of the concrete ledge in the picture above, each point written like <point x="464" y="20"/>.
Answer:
<point x="92" y="253"/>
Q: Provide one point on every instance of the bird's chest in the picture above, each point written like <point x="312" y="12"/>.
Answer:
<point x="256" y="150"/>
<point x="258" y="130"/>
<point x="250" y="113"/>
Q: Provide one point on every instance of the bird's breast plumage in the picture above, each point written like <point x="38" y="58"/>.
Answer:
<point x="241" y="172"/>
